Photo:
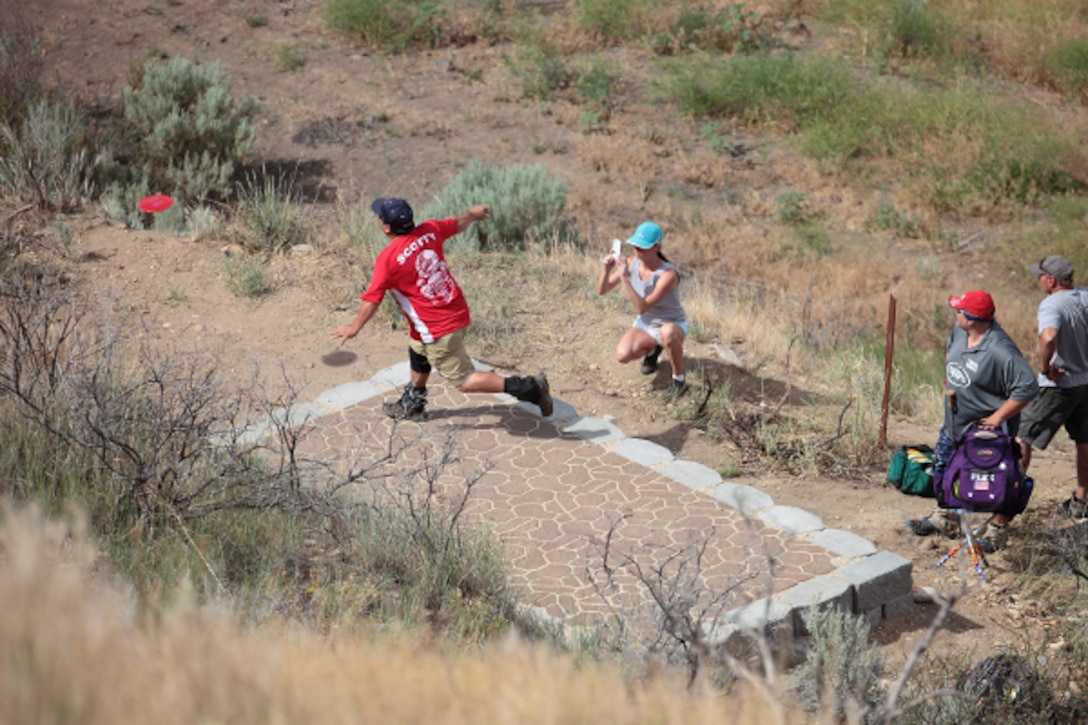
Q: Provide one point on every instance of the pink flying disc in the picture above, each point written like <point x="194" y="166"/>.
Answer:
<point x="155" y="203"/>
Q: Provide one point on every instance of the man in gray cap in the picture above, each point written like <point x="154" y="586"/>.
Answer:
<point x="1063" y="374"/>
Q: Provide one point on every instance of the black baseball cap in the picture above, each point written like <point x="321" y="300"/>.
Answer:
<point x="397" y="213"/>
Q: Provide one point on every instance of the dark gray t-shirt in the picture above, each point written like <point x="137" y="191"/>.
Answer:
<point x="1067" y="312"/>
<point x="984" y="377"/>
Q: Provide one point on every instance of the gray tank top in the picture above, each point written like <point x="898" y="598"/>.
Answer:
<point x="668" y="308"/>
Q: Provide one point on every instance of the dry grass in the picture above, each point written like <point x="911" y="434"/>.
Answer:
<point x="74" y="649"/>
<point x="619" y="153"/>
<point x="703" y="168"/>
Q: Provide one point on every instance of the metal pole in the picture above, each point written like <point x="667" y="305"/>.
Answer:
<point x="889" y="349"/>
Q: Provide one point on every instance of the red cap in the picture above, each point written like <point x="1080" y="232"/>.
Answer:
<point x="975" y="303"/>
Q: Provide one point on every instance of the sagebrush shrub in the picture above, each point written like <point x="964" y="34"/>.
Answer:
<point x="20" y="68"/>
<point x="185" y="135"/>
<point x="270" y="217"/>
<point x="48" y="160"/>
<point x="526" y="205"/>
<point x="841" y="666"/>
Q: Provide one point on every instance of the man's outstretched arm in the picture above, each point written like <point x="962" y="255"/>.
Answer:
<point x="346" y="332"/>
<point x="475" y="214"/>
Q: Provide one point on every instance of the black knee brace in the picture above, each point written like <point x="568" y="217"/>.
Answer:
<point x="418" y="363"/>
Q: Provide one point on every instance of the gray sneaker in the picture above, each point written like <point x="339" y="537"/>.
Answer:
<point x="996" y="538"/>
<point x="1075" y="508"/>
<point x="948" y="523"/>
<point x="411" y="405"/>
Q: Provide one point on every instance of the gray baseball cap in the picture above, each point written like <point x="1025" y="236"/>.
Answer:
<point x="1054" y="265"/>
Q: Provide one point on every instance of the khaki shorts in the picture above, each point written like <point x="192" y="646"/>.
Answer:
<point x="448" y="356"/>
<point x="1054" y="408"/>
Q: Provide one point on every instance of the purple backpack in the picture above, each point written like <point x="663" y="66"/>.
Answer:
<point x="983" y="474"/>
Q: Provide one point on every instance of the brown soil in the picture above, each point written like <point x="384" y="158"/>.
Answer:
<point x="364" y="125"/>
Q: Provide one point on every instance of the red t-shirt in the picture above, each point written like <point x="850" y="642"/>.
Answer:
<point x="413" y="267"/>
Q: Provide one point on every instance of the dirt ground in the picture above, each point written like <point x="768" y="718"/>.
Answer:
<point x="364" y="125"/>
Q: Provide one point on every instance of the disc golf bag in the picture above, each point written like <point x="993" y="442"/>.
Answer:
<point x="911" y="470"/>
<point x="983" y="474"/>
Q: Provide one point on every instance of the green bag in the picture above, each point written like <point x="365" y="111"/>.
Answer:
<point x="911" y="470"/>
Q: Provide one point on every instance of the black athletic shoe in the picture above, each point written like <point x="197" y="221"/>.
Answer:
<point x="544" y="394"/>
<point x="649" y="363"/>
<point x="411" y="406"/>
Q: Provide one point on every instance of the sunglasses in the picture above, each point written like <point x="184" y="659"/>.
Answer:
<point x="969" y="316"/>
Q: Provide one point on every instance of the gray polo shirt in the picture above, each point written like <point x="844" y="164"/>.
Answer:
<point x="984" y="377"/>
<point x="1067" y="312"/>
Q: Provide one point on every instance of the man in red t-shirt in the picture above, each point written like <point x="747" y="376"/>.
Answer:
<point x="413" y="268"/>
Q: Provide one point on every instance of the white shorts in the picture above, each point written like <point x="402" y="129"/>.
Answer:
<point x="654" y="330"/>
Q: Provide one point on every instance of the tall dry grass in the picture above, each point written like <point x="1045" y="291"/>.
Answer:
<point x="75" y="648"/>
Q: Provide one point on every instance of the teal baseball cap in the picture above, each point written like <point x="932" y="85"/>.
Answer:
<point x="647" y="235"/>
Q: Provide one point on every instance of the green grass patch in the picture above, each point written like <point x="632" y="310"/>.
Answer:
<point x="614" y="20"/>
<point x="388" y="26"/>
<point x="287" y="58"/>
<point x="1068" y="64"/>
<point x="1057" y="229"/>
<point x="962" y="147"/>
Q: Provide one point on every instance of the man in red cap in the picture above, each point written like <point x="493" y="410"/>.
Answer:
<point x="987" y="383"/>
<point x="412" y="267"/>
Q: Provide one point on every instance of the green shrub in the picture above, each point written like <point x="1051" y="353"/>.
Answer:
<point x="48" y="161"/>
<point x="764" y="88"/>
<point x="447" y="574"/>
<point x="287" y="58"/>
<point x="20" y="68"/>
<point x="613" y="20"/>
<point x="888" y="218"/>
<point x="543" y="72"/>
<point x="1059" y="230"/>
<point x="1068" y="64"/>
<point x="269" y="216"/>
<point x="717" y="138"/>
<point x="525" y="201"/>
<point x="790" y="207"/>
<point x="918" y="30"/>
<point x="596" y="87"/>
<point x="733" y="29"/>
<point x="244" y="275"/>
<point x="387" y="26"/>
<point x="184" y="135"/>
<point x="960" y="147"/>
<point x="841" y="666"/>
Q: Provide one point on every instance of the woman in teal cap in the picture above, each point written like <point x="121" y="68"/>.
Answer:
<point x="652" y="284"/>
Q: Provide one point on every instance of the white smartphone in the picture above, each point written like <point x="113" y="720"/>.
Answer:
<point x="617" y="249"/>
